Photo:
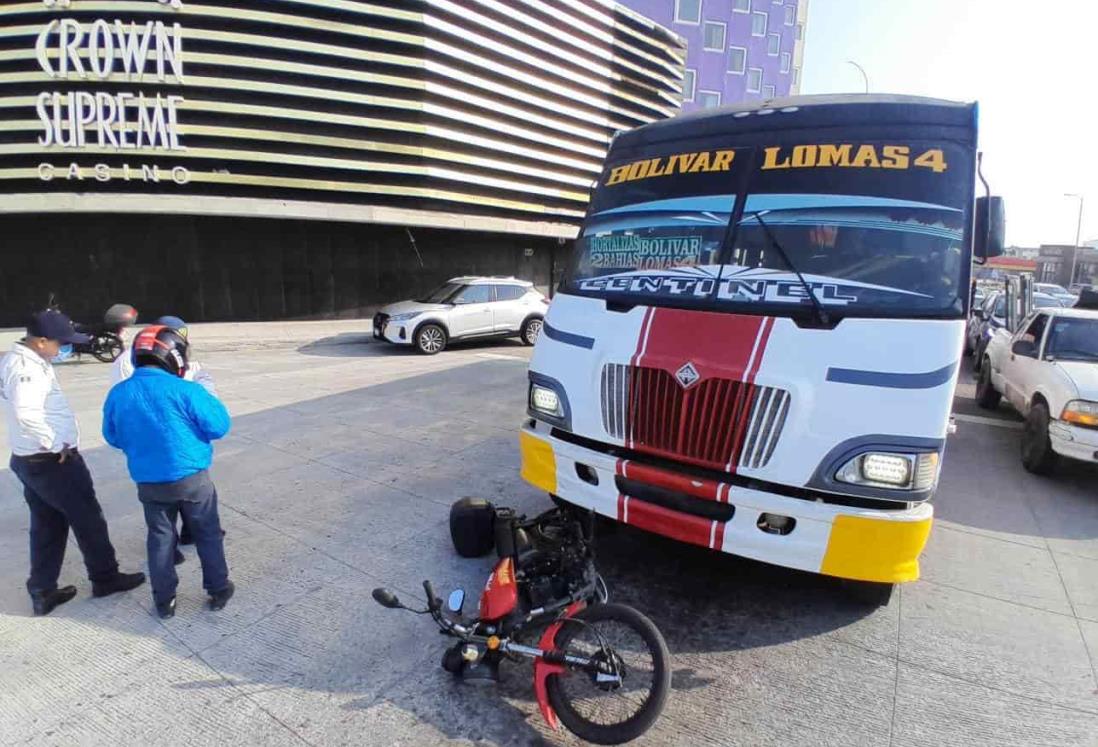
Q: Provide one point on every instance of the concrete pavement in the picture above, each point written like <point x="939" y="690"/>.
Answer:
<point x="344" y="458"/>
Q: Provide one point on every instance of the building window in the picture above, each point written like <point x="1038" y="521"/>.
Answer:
<point x="688" y="11"/>
<point x="786" y="60"/>
<point x="790" y="15"/>
<point x="754" y="80"/>
<point x="714" y="36"/>
<point x="800" y="32"/>
<point x="741" y="6"/>
<point x="758" y="24"/>
<point x="737" y="60"/>
<point x="688" y="79"/>
<point x="769" y="92"/>
<point x="773" y="44"/>
<point x="709" y="99"/>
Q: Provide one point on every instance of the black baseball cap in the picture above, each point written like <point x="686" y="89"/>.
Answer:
<point x="53" y="325"/>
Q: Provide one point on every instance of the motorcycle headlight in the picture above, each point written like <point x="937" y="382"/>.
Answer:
<point x="403" y="317"/>
<point x="1081" y="412"/>
<point x="895" y="471"/>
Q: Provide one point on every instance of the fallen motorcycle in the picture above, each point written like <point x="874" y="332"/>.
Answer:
<point x="600" y="669"/>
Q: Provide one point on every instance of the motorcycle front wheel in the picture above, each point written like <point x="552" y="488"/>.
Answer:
<point x="624" y="689"/>
<point x="107" y="347"/>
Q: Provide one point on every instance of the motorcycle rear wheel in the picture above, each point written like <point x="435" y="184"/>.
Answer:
<point x="600" y="712"/>
<point x="106" y="347"/>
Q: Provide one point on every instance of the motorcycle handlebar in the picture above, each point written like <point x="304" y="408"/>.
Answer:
<point x="433" y="603"/>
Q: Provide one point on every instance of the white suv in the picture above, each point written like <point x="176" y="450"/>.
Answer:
<point x="463" y="309"/>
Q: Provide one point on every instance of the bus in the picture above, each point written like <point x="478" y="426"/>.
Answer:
<point x="755" y="345"/>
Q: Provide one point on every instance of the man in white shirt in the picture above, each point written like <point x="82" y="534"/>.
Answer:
<point x="45" y="457"/>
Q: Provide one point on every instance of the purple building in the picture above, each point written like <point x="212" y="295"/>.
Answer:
<point x="736" y="49"/>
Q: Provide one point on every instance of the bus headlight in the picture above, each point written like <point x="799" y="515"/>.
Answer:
<point x="916" y="472"/>
<point x="1081" y="412"/>
<point x="545" y="400"/>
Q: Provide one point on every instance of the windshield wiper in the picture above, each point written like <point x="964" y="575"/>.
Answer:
<point x="821" y="314"/>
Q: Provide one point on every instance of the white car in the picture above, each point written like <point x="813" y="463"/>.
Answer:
<point x="1048" y="371"/>
<point x="1064" y="296"/>
<point x="464" y="308"/>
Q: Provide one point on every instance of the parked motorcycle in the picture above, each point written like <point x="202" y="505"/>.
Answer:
<point x="600" y="669"/>
<point x="106" y="337"/>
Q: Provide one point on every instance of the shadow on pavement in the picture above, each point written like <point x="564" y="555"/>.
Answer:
<point x="357" y="344"/>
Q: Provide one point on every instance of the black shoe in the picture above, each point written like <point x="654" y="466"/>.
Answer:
<point x="166" y="609"/>
<point x="121" y="582"/>
<point x="46" y="602"/>
<point x="179" y="557"/>
<point x="221" y="598"/>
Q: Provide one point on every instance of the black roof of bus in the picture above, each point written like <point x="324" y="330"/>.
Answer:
<point x="830" y="110"/>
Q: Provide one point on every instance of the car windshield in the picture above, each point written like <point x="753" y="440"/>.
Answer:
<point x="1045" y="301"/>
<point x="442" y="294"/>
<point x="1073" y="339"/>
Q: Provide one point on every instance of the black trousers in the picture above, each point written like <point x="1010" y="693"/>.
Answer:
<point x="60" y="496"/>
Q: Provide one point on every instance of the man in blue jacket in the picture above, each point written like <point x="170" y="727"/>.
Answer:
<point x="165" y="425"/>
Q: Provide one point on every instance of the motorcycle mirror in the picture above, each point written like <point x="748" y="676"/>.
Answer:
<point x="456" y="601"/>
<point x="386" y="598"/>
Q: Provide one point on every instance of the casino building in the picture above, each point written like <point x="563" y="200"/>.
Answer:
<point x="267" y="159"/>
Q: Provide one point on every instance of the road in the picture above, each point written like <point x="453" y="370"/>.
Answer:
<point x="344" y="458"/>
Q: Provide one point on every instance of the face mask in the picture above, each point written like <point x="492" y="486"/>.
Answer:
<point x="63" y="354"/>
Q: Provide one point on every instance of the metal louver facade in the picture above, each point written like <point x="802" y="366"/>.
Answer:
<point x="489" y="115"/>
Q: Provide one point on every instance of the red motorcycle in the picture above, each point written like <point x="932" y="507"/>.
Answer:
<point x="600" y="669"/>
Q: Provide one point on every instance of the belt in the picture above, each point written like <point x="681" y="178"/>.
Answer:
<point x="44" y="457"/>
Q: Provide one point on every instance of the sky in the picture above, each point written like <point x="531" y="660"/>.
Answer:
<point x="1030" y="66"/>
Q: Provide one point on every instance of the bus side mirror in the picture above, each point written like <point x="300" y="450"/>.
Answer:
<point x="989" y="231"/>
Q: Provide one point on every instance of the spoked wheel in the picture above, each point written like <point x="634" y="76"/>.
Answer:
<point x="624" y="688"/>
<point x="107" y="348"/>
<point x="530" y="331"/>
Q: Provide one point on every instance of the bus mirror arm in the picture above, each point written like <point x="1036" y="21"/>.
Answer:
<point x="989" y="227"/>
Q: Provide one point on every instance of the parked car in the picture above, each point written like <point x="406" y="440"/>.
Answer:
<point x="464" y="308"/>
<point x="1048" y="371"/>
<point x="1066" y="297"/>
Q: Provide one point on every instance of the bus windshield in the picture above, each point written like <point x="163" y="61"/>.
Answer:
<point x="885" y="241"/>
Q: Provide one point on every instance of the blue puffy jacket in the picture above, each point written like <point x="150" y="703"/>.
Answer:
<point x="164" y="425"/>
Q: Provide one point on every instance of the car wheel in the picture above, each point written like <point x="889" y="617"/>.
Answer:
<point x="1037" y="454"/>
<point x="430" y="339"/>
<point x="986" y="396"/>
<point x="531" y="328"/>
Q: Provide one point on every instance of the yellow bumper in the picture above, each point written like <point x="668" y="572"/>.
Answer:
<point x="870" y="549"/>
<point x="539" y="465"/>
<point x="866" y="546"/>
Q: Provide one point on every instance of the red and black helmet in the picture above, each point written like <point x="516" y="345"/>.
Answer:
<point x="162" y="346"/>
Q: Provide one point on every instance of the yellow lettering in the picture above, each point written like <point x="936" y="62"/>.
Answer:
<point x="723" y="161"/>
<point x="933" y="160"/>
<point x="686" y="160"/>
<point x="617" y="175"/>
<point x="637" y="170"/>
<point x="896" y="157"/>
<point x="804" y="156"/>
<point x="657" y="169"/>
<point x="701" y="163"/>
<point x="771" y="160"/>
<point x="867" y="157"/>
<point x="834" y="155"/>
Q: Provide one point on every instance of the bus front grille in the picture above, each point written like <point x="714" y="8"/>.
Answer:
<point x="719" y="423"/>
